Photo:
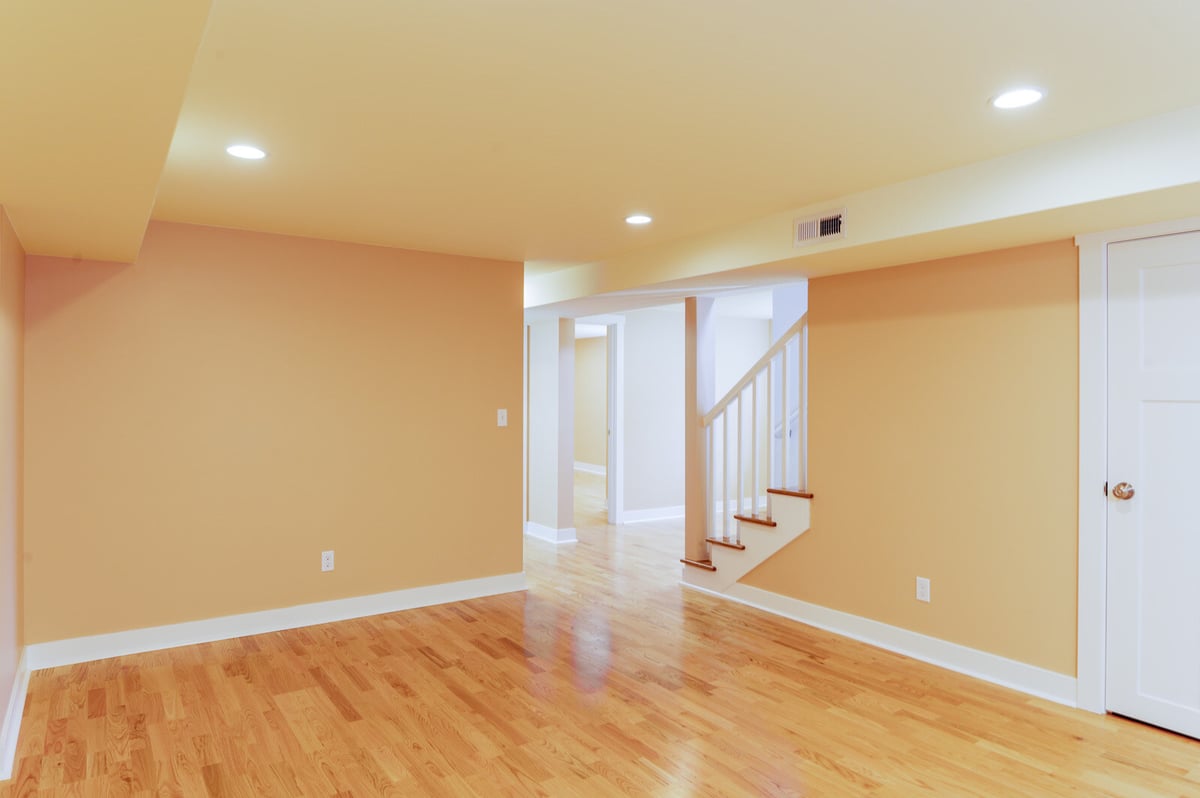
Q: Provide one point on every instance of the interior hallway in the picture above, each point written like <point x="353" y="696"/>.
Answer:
<point x="591" y="507"/>
<point x="605" y="678"/>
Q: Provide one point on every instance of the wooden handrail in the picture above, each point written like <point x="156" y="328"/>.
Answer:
<point x="754" y="371"/>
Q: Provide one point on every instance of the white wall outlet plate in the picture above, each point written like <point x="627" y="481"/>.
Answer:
<point x="922" y="588"/>
<point x="327" y="561"/>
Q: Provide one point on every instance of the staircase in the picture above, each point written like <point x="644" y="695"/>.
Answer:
<point x="758" y="428"/>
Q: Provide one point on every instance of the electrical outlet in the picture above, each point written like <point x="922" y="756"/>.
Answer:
<point x="922" y="588"/>
<point x="327" y="561"/>
<point x="502" y="417"/>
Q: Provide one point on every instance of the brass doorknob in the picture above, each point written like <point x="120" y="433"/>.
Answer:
<point x="1123" y="491"/>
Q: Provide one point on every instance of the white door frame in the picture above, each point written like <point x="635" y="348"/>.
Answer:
<point x="1093" y="450"/>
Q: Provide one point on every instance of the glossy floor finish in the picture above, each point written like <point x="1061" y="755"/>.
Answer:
<point x="605" y="678"/>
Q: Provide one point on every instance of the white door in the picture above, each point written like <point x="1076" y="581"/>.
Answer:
<point x="1154" y="481"/>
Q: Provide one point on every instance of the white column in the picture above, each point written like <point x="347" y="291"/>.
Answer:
<point x="698" y="390"/>
<point x="552" y="430"/>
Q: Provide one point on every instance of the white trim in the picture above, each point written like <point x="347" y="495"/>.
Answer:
<point x="11" y="728"/>
<point x="525" y="423"/>
<point x="1093" y="450"/>
<point x="136" y="641"/>
<point x="972" y="662"/>
<point x="652" y="514"/>
<point x="1172" y="227"/>
<point x="549" y="534"/>
<point x="1093" y="471"/>
<point x="590" y="468"/>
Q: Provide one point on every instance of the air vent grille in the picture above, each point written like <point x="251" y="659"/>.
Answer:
<point x="822" y="227"/>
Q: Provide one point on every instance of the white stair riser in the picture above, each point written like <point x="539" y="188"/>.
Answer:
<point x="792" y="518"/>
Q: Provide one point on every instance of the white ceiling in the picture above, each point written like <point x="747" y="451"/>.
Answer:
<point x="528" y="129"/>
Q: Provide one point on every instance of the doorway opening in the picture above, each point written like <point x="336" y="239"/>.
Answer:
<point x="592" y="424"/>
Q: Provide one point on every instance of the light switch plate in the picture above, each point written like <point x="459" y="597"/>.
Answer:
<point x="502" y="417"/>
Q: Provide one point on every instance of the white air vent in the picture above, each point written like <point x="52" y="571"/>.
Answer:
<point x="823" y="227"/>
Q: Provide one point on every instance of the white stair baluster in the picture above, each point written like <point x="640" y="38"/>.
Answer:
<point x="712" y="454"/>
<point x="783" y="417"/>
<point x="754" y="445"/>
<point x="776" y="410"/>
<point x="770" y="422"/>
<point x="801" y="427"/>
<point x="725" y="474"/>
<point x="739" y="500"/>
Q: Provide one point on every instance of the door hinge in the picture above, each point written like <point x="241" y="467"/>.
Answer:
<point x="1105" y="488"/>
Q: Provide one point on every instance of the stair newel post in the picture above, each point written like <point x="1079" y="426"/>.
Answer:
<point x="551" y="401"/>
<point x="699" y="398"/>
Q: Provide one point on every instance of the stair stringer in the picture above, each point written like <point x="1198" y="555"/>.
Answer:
<point x="792" y="516"/>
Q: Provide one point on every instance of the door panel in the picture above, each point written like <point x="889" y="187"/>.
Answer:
<point x="1154" y="444"/>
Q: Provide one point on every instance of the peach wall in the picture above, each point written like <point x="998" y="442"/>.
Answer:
<point x="943" y="423"/>
<point x="203" y="423"/>
<point x="12" y="290"/>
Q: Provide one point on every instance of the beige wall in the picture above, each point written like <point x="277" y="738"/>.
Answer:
<point x="202" y="423"/>
<point x="943" y="443"/>
<point x="12" y="292"/>
<point x="591" y="401"/>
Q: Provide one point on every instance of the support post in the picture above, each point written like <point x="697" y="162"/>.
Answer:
<point x="699" y="388"/>
<point x="552" y="430"/>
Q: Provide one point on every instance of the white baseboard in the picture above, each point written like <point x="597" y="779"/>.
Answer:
<point x="12" y="717"/>
<point x="550" y="534"/>
<point x="590" y="468"/>
<point x="136" y="641"/>
<point x="992" y="668"/>
<point x="652" y="514"/>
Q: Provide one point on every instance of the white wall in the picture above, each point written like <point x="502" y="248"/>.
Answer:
<point x="654" y="369"/>
<point x="788" y="303"/>
<point x="740" y="342"/>
<point x="653" y="475"/>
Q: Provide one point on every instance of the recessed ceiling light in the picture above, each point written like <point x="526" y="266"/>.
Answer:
<point x="245" y="151"/>
<point x="1017" y="98"/>
<point x="638" y="218"/>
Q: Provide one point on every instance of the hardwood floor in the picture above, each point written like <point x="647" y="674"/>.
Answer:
<point x="605" y="678"/>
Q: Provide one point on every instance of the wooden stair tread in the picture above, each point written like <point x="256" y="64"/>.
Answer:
<point x="802" y="494"/>
<point x="756" y="519"/>
<point x="732" y="544"/>
<point x="705" y="564"/>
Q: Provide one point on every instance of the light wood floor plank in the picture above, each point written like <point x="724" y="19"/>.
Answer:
<point x="606" y="678"/>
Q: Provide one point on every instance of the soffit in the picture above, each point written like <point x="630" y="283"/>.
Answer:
<point x="91" y="92"/>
